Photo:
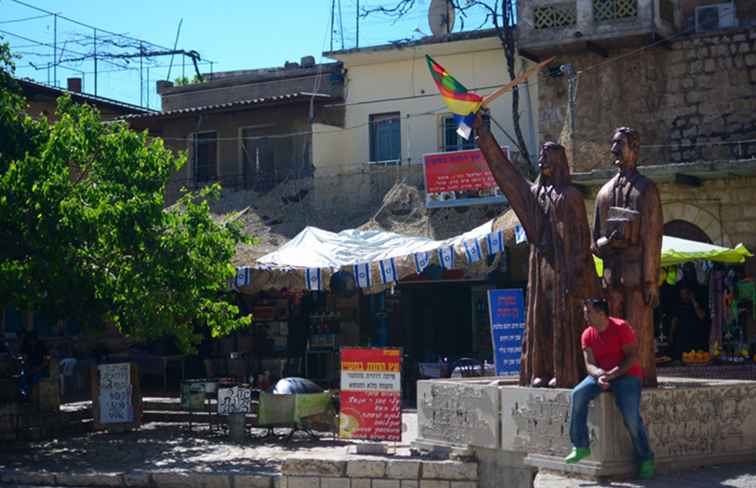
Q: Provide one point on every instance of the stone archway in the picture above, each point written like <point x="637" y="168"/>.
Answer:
<point x="706" y="221"/>
<point x="685" y="230"/>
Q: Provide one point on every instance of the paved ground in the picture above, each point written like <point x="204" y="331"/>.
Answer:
<point x="173" y="447"/>
<point x="734" y="476"/>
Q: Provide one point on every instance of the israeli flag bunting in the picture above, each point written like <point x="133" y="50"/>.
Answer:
<point x="520" y="235"/>
<point x="495" y="242"/>
<point x="388" y="270"/>
<point x="446" y="257"/>
<point x="242" y="276"/>
<point x="422" y="260"/>
<point x="313" y="279"/>
<point x="362" y="275"/>
<point x="472" y="251"/>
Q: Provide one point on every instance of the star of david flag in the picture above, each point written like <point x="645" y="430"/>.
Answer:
<point x="242" y="276"/>
<point x="495" y="242"/>
<point x="388" y="270"/>
<point x="520" y="235"/>
<point x="362" y="275"/>
<point x="313" y="279"/>
<point x="446" y="257"/>
<point x="422" y="260"/>
<point x="472" y="251"/>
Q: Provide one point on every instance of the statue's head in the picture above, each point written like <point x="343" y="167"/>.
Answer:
<point x="552" y="164"/>
<point x="625" y="148"/>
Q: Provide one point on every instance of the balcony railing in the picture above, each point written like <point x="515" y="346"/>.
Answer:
<point x="555" y="15"/>
<point x="607" y="10"/>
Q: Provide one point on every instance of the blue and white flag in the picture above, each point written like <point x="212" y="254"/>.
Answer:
<point x="242" y="276"/>
<point x="313" y="279"/>
<point x="472" y="251"/>
<point x="446" y="257"/>
<point x="388" y="270"/>
<point x="495" y="242"/>
<point x="520" y="235"/>
<point x="362" y="275"/>
<point x="422" y="260"/>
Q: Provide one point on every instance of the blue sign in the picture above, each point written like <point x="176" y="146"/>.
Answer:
<point x="507" y="315"/>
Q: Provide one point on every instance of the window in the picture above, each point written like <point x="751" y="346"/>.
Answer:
<point x="385" y="138"/>
<point x="205" y="156"/>
<point x="451" y="141"/>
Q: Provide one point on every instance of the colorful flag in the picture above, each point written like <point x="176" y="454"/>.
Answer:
<point x="462" y="103"/>
<point x="495" y="242"/>
<point x="520" y="235"/>
<point x="446" y="257"/>
<point x="362" y="275"/>
<point x="313" y="279"/>
<point x="388" y="270"/>
<point x="472" y="251"/>
<point x="422" y="260"/>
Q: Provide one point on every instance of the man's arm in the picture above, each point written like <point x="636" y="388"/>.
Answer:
<point x="590" y="364"/>
<point x="631" y="357"/>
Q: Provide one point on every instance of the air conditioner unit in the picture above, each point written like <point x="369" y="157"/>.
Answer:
<point x="715" y="17"/>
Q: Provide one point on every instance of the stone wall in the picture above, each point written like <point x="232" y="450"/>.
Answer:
<point x="378" y="473"/>
<point x="689" y="99"/>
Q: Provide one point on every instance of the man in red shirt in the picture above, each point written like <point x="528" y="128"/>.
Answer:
<point x="610" y="350"/>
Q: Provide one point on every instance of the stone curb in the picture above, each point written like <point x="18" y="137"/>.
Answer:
<point x="143" y="479"/>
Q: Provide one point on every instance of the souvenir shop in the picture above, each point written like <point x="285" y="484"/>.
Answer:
<point x="706" y="319"/>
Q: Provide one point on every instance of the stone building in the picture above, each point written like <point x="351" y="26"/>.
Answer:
<point x="688" y="87"/>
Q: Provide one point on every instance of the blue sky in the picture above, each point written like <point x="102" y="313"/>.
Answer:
<point x="233" y="34"/>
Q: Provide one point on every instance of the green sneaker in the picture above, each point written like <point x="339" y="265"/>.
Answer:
<point x="577" y="454"/>
<point x="647" y="469"/>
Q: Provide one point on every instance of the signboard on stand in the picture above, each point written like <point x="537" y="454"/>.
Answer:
<point x="116" y="396"/>
<point x="371" y="394"/>
<point x="507" y="315"/>
<point x="458" y="178"/>
<point x="237" y="399"/>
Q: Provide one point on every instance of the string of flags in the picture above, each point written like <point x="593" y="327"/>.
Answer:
<point x="471" y="249"/>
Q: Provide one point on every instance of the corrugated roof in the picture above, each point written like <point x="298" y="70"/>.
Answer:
<point x="286" y="98"/>
<point x="33" y="84"/>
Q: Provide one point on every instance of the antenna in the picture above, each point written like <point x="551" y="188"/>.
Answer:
<point x="441" y="17"/>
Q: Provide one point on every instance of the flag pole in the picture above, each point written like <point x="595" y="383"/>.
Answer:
<point x="508" y="87"/>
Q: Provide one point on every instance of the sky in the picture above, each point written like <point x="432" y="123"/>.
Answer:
<point x="233" y="34"/>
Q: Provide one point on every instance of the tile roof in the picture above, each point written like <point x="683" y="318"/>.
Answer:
<point x="27" y="83"/>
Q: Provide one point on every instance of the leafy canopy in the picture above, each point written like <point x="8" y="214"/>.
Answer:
<point x="85" y="234"/>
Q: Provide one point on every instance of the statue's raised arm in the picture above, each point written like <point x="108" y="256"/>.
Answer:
<point x="515" y="186"/>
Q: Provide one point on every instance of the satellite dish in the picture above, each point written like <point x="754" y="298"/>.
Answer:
<point x="441" y="17"/>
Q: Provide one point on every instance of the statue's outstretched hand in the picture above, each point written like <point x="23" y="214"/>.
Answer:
<point x="651" y="294"/>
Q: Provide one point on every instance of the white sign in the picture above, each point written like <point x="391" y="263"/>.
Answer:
<point x="115" y="393"/>
<point x="370" y="381"/>
<point x="234" y="400"/>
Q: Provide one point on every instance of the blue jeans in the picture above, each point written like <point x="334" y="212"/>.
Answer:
<point x="627" y="394"/>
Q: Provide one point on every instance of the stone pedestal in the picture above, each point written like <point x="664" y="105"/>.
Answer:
<point x="690" y="423"/>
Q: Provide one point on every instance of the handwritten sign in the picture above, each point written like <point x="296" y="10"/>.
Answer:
<point x="115" y="393"/>
<point x="371" y="394"/>
<point x="234" y="400"/>
<point x="507" y="314"/>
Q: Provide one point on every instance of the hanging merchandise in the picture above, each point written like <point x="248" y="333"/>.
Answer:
<point x="422" y="261"/>
<point x="362" y="273"/>
<point x="446" y="257"/>
<point x="672" y="276"/>
<point x="716" y="306"/>
<point x="472" y="251"/>
<point x="520" y="235"/>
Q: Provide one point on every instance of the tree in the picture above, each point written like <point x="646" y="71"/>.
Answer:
<point x="85" y="233"/>
<point x="501" y="13"/>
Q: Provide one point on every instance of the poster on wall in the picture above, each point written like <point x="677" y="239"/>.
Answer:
<point x="458" y="178"/>
<point x="115" y="393"/>
<point x="371" y="394"/>
<point x="507" y="315"/>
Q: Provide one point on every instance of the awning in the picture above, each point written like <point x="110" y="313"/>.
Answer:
<point x="678" y="251"/>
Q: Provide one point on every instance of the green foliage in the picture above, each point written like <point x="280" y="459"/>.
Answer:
<point x="85" y="233"/>
<point x="183" y="80"/>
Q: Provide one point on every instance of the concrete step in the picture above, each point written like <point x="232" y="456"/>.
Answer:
<point x="186" y="417"/>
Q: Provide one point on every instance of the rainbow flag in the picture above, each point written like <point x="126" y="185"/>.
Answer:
<point x="462" y="103"/>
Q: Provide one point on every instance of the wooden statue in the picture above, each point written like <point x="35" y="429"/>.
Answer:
<point x="561" y="270"/>
<point x="627" y="235"/>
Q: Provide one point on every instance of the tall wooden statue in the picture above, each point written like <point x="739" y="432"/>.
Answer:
<point x="561" y="270"/>
<point x="627" y="235"/>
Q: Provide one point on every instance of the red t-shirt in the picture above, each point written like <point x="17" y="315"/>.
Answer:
<point x="607" y="345"/>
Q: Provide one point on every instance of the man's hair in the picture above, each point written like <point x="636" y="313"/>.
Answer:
<point x="598" y="304"/>
<point x="632" y="137"/>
